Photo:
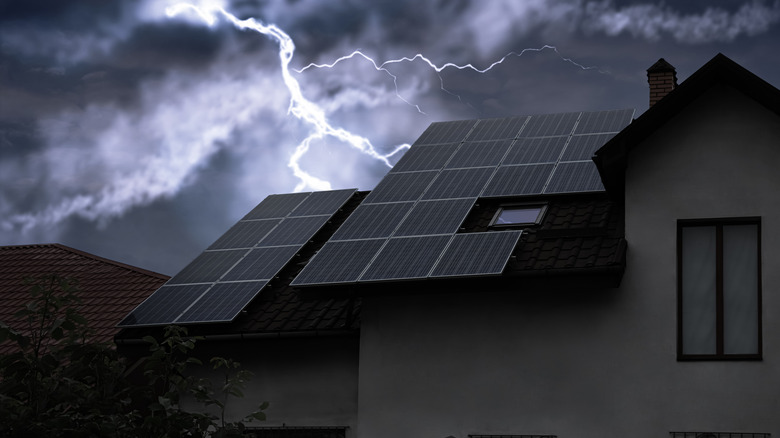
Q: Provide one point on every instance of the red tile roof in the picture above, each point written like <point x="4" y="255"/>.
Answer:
<point x="108" y="290"/>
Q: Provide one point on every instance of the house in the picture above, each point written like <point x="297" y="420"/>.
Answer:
<point x="107" y="290"/>
<point x="583" y="274"/>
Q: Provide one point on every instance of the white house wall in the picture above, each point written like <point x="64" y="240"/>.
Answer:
<point x="594" y="363"/>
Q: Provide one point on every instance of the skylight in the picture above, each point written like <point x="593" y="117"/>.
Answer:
<point x="518" y="215"/>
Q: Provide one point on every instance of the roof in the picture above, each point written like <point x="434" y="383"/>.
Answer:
<point x="611" y="158"/>
<point x="108" y="290"/>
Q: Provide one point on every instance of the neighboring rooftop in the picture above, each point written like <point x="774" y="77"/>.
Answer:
<point x="108" y="290"/>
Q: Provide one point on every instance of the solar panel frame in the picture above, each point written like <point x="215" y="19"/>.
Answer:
<point x="276" y="206"/>
<point x="245" y="234"/>
<point x="402" y="186"/>
<point x="208" y="267"/>
<point x="165" y="305"/>
<point x="294" y="230"/>
<point x="459" y="183"/>
<point x="322" y="203"/>
<point x="445" y="132"/>
<point x="370" y="221"/>
<point x="550" y="125"/>
<point x="574" y="177"/>
<point x="432" y="157"/>
<point x="421" y="220"/>
<point x="488" y="153"/>
<point x="261" y="263"/>
<point x="582" y="147"/>
<point x="604" y="121"/>
<point x="485" y="254"/>
<point x="535" y="150"/>
<point x="518" y="180"/>
<point x="339" y="262"/>
<point x="223" y="302"/>
<point x="496" y="129"/>
<point x="406" y="258"/>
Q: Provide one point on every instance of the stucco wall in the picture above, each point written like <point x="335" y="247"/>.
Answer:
<point x="308" y="381"/>
<point x="594" y="363"/>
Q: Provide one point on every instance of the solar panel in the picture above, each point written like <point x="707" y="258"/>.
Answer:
<point x="518" y="180"/>
<point x="405" y="186"/>
<point x="445" y="132"/>
<point x="536" y="150"/>
<point x="546" y="125"/>
<point x="479" y="154"/>
<point x="604" y="121"/>
<point x="208" y="267"/>
<point x="261" y="263"/>
<point x="245" y="234"/>
<point x="165" y="305"/>
<point x="276" y="206"/>
<point x="406" y="258"/>
<point x="459" y="183"/>
<point x="222" y="302"/>
<point x="495" y="129"/>
<point x="582" y="147"/>
<point x="339" y="262"/>
<point x="320" y="203"/>
<point x="477" y="254"/>
<point x="236" y="267"/>
<point x="425" y="158"/>
<point x="372" y="220"/>
<point x="579" y="176"/>
<point x="435" y="217"/>
<point x="294" y="230"/>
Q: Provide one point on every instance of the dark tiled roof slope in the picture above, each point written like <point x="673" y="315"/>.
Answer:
<point x="577" y="233"/>
<point x="108" y="290"/>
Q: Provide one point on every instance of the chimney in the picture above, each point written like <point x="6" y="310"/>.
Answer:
<point x="662" y="78"/>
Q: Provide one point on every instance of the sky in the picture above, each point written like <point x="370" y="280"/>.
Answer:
<point x="140" y="131"/>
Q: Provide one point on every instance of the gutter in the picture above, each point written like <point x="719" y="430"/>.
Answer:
<point x="255" y="335"/>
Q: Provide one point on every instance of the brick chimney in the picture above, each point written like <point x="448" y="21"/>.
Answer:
<point x="662" y="78"/>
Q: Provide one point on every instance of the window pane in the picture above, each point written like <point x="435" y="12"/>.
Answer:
<point x="524" y="215"/>
<point x="698" y="290"/>
<point x="740" y="289"/>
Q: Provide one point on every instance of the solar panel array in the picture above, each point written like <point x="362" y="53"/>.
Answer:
<point x="221" y="281"/>
<point x="407" y="226"/>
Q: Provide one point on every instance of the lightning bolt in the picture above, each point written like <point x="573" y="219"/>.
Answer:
<point x="300" y="107"/>
<point x="439" y="68"/>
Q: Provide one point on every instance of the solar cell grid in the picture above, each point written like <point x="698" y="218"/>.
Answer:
<point x="459" y="183"/>
<point x="276" y="206"/>
<point x="245" y="234"/>
<point x="435" y="217"/>
<point x="372" y="221"/>
<point x="604" y="121"/>
<point x="546" y="125"/>
<point x="477" y="254"/>
<point x="479" y="154"/>
<point x="425" y="158"/>
<point x="339" y="262"/>
<point x="406" y="258"/>
<point x="536" y="150"/>
<point x="445" y="132"/>
<point x="222" y="302"/>
<point x="208" y="267"/>
<point x="261" y="263"/>
<point x="294" y="230"/>
<point x="165" y="305"/>
<point x="495" y="129"/>
<point x="518" y="180"/>
<point x="319" y="203"/>
<point x="580" y="176"/>
<point x="582" y="147"/>
<point x="404" y="186"/>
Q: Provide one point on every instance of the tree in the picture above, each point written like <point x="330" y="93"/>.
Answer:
<point x="59" y="383"/>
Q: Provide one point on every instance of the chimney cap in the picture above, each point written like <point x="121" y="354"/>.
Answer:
<point x="661" y="66"/>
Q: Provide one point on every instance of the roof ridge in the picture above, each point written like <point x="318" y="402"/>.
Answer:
<point x="90" y="256"/>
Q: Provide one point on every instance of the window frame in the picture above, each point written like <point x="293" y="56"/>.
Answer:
<point x="718" y="223"/>
<point x="539" y="217"/>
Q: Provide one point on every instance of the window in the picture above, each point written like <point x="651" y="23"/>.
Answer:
<point x="719" y="289"/>
<point x="513" y="215"/>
